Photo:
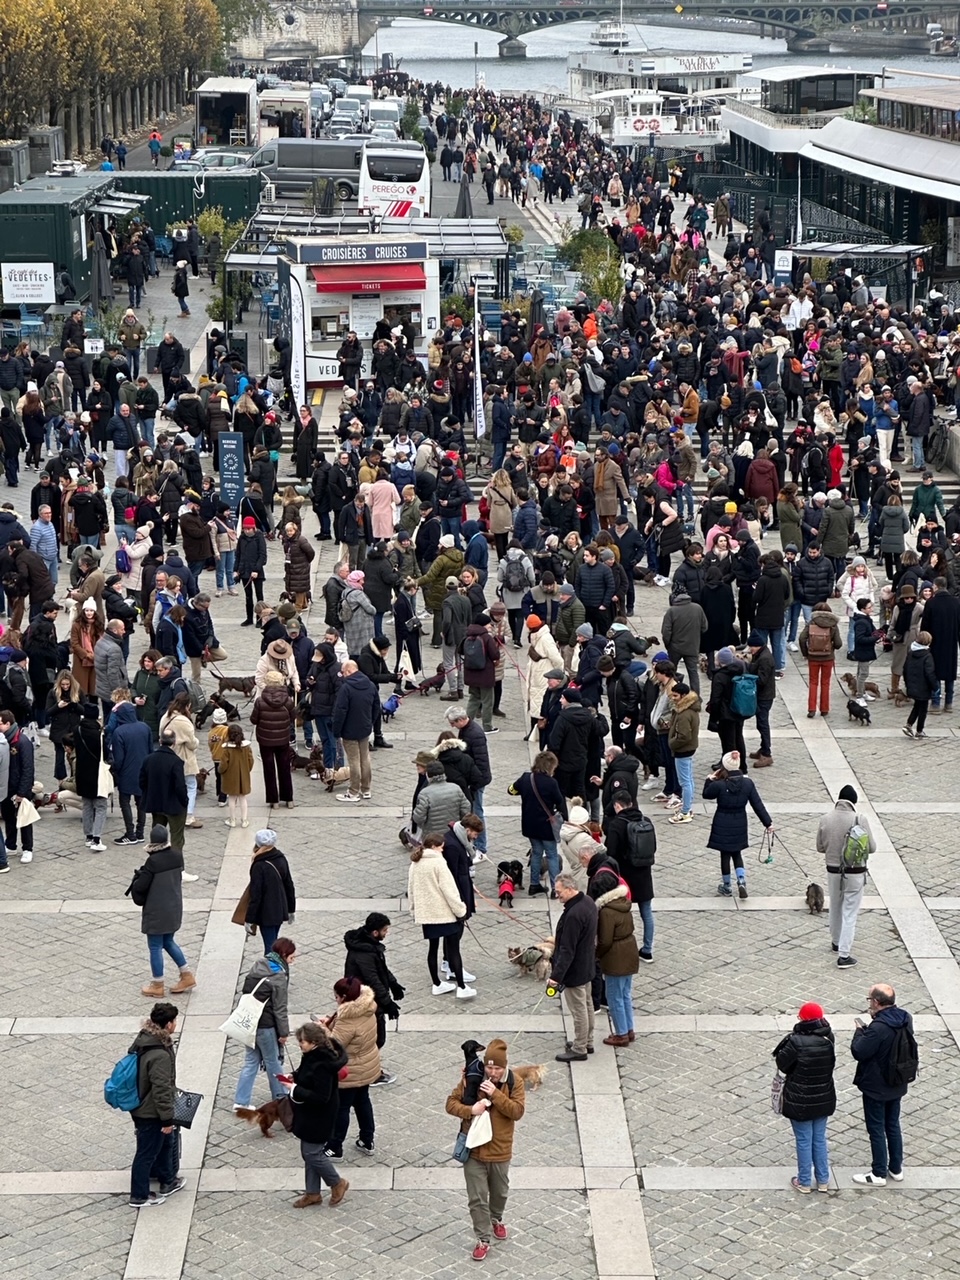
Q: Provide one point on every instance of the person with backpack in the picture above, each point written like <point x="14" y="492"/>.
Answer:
<point x="733" y="699"/>
<point x="733" y="791"/>
<point x="515" y="576"/>
<point x="480" y="654"/>
<point x="819" y="640"/>
<point x="845" y="839"/>
<point x="887" y="1063"/>
<point x="631" y="843"/>
<point x="158" y="1151"/>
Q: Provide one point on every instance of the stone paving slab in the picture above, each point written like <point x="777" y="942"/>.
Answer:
<point x="926" y="844"/>
<point x="716" y="1091"/>
<point x="421" y="1236"/>
<point x="767" y="963"/>
<point x="86" y="1236"/>
<point x="753" y="1236"/>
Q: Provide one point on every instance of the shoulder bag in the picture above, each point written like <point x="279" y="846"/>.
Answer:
<point x="243" y="1022"/>
<point x="555" y="819"/>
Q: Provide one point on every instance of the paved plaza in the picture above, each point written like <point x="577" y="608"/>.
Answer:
<point x="662" y="1159"/>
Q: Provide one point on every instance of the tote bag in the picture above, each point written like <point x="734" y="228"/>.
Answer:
<point x="243" y="1022"/>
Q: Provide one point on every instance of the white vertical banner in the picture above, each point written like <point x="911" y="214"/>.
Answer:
<point x="298" y="351"/>
<point x="479" y="417"/>
<point x="799" y="235"/>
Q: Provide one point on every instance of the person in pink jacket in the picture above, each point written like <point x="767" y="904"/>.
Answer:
<point x="381" y="500"/>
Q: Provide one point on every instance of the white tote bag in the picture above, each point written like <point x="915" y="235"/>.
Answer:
<point x="243" y="1022"/>
<point x="480" y="1131"/>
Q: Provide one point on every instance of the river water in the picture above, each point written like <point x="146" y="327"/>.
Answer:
<point x="410" y="40"/>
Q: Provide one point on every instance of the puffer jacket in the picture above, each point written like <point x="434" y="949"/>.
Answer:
<point x="355" y="1027"/>
<point x="298" y="555"/>
<point x="438" y="804"/>
<point x="156" y="1074"/>
<point x="683" y="736"/>
<point x="814" y="579"/>
<point x="448" y="564"/>
<point x="459" y="766"/>
<point x="836" y="528"/>
<point x="275" y="976"/>
<point x="617" y="950"/>
<point x="272" y="714"/>
<point x="807" y="1058"/>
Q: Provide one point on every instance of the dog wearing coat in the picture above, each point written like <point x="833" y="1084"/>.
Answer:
<point x="533" y="960"/>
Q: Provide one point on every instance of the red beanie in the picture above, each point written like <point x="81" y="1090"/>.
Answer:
<point x="810" y="1012"/>
<point x="249" y="522"/>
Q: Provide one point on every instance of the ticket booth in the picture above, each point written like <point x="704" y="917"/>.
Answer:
<point x="330" y="287"/>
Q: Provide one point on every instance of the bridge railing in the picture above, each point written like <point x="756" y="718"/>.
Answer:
<point x="815" y="120"/>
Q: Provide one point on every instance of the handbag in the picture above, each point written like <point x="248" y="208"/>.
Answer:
<point x="285" y="1112"/>
<point x="185" y="1107"/>
<point x="104" y="780"/>
<point x="776" y="1093"/>
<point x="480" y="1131"/>
<point x="555" y="819"/>
<point x="27" y="814"/>
<point x="243" y="1022"/>
<point x="461" y="1152"/>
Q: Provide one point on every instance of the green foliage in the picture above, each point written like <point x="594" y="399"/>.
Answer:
<point x="572" y="250"/>
<point x="237" y="16"/>
<point x="238" y="283"/>
<point x="410" y="121"/>
<point x="457" y="302"/>
<point x="600" y="273"/>
<point x="514" y="233"/>
<point x="455" y="106"/>
<point x="210" y="221"/>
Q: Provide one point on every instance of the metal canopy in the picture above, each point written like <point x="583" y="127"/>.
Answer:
<point x="453" y="237"/>
<point x="119" y="203"/>
<point x="833" y="249"/>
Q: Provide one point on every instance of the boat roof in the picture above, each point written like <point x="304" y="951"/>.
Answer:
<point x="781" y="75"/>
<point x="946" y="97"/>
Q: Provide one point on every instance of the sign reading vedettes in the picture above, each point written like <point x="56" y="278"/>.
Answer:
<point x="27" y="282"/>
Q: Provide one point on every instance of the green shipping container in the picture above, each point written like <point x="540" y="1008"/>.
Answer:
<point x="52" y="220"/>
<point x="176" y="196"/>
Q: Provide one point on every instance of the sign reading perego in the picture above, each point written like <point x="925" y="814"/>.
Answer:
<point x="27" y="282"/>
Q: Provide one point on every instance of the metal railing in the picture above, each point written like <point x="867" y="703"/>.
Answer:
<point x="815" y="120"/>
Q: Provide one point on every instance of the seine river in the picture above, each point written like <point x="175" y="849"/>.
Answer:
<point x="410" y="40"/>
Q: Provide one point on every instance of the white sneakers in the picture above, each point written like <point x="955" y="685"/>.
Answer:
<point x="347" y="798"/>
<point x="871" y="1179"/>
<point x="27" y="855"/>
<point x="187" y="878"/>
<point x="793" y="647"/>
<point x="443" y="988"/>
<point x="447" y="975"/>
<point x="466" y="993"/>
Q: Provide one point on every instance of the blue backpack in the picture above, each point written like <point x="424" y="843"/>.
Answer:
<point x="121" y="1090"/>
<point x="744" y="699"/>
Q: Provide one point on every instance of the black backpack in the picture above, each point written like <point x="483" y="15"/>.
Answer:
<point x="904" y="1061"/>
<point x="515" y="575"/>
<point x="641" y="842"/>
<point x="474" y="653"/>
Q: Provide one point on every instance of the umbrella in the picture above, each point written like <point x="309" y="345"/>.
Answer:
<point x="464" y="207"/>
<point x="536" y="310"/>
<point x="101" y="285"/>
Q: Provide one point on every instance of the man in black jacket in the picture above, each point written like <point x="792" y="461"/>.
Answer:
<point x="164" y="790"/>
<point x="367" y="960"/>
<point x="746" y="573"/>
<point x="761" y="665"/>
<point x="872" y="1046"/>
<point x="574" y="963"/>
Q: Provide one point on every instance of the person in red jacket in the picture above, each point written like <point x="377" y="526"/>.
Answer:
<point x="480" y="654"/>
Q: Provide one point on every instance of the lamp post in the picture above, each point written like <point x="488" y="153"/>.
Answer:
<point x="476" y="63"/>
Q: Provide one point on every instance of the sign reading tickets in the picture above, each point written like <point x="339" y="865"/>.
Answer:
<point x="27" y="282"/>
<point x="231" y="467"/>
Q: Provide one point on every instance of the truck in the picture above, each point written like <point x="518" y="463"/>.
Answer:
<point x="284" y="113"/>
<point x="226" y="112"/>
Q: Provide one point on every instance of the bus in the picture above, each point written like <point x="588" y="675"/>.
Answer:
<point x="394" y="180"/>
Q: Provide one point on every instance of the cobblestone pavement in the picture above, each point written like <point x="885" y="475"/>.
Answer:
<point x="660" y="1160"/>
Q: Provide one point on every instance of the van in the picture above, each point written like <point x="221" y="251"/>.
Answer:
<point x="363" y="92"/>
<point x="293" y="164"/>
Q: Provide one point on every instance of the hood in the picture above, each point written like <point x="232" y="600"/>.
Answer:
<point x="469" y="528"/>
<point x="837" y="504"/>
<point x="624" y="764"/>
<point x="328" y="653"/>
<point x="772" y="570"/>
<point x="358" y="681"/>
<point x="892" y="1016"/>
<point x="681" y="598"/>
<point x="825" y="618"/>
<point x="149" y="1037"/>
<point x="689" y="700"/>
<point x="580" y="715"/>
<point x="614" y="896"/>
<point x="375" y="553"/>
<point x="360" y="940"/>
<point x="815" y="1027"/>
<point x="449" y="744"/>
<point x="125" y="713"/>
<point x="601" y="860"/>
<point x="917" y="647"/>
<point x="274" y="695"/>
<point x="364" y="1006"/>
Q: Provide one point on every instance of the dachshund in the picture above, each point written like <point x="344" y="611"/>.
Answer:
<point x="218" y="702"/>
<point x="531" y="1075"/>
<point x="434" y="682"/>
<point x="238" y="684"/>
<point x="390" y="708"/>
<point x="265" y="1116"/>
<point x="850" y="682"/>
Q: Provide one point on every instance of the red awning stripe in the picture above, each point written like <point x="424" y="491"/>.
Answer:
<point x="370" y="278"/>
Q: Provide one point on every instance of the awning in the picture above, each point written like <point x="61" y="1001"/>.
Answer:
<point x="923" y="186"/>
<point x="375" y="278"/>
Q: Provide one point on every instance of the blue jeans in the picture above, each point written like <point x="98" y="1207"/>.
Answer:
<point x="499" y="453"/>
<point x="646" y="915"/>
<point x="331" y="755"/>
<point x="791" y="618"/>
<point x="811" y="1139"/>
<point x="53" y="568"/>
<point x="620" y="1001"/>
<point x="225" y="571"/>
<point x="671" y="784"/>
<point x="269" y="933"/>
<point x="147" y="425"/>
<point x="451" y="524"/>
<point x="917" y="444"/>
<point x="948" y="687"/>
<point x="592" y="403"/>
<point x="267" y="1051"/>
<point x="540" y="849"/>
<point x="157" y="944"/>
<point x="776" y="641"/>
<point x="684" y="492"/>
<point x="133" y="357"/>
<point x="89" y="540"/>
<point x="196" y="568"/>
<point x="480" y="844"/>
<point x="684" y="767"/>
<point x="156" y="1157"/>
<point x="886" y="1141"/>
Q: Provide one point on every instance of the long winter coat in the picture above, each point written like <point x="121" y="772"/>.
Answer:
<point x="432" y="891"/>
<point x="236" y="766"/>
<point x="358" y="628"/>
<point x="544" y="656"/>
<point x="298" y="555"/>
<point x="836" y="528"/>
<point x="941" y="617"/>
<point x="131" y="743"/>
<point x="448" y="564"/>
<point x="728" y="830"/>
<point x="355" y="1027"/>
<point x="273" y="713"/>
<point x="894" y="525"/>
<point x="617" y="950"/>
<point x="185" y="746"/>
<point x="316" y="1095"/>
<point x="807" y="1058"/>
<point x="272" y="896"/>
<point x="160" y="878"/>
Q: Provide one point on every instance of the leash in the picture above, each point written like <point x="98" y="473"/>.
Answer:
<point x="766" y="845"/>
<point x="503" y="911"/>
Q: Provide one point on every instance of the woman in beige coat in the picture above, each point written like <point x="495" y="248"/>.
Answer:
<point x="436" y="905"/>
<point x="499" y="494"/>
<point x="608" y="488"/>
<point x="178" y="720"/>
<point x="354" y="1025"/>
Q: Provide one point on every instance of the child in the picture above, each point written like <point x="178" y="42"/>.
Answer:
<point x="215" y="741"/>
<point x="236" y="763"/>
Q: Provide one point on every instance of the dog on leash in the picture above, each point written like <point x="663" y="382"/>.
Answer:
<point x="202" y="776"/>
<point x="856" y="712"/>
<point x="217" y="703"/>
<point x="509" y="880"/>
<point x="238" y="684"/>
<point x="433" y="682"/>
<point x="390" y="708"/>
<point x="533" y="960"/>
<point x="870" y="686"/>
<point x="265" y="1116"/>
<point x="532" y="1076"/>
<point x="850" y="683"/>
<point x="814" y="898"/>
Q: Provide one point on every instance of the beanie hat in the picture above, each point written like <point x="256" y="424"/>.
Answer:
<point x="848" y="793"/>
<point x="447" y="540"/>
<point x="566" y="590"/>
<point x="578" y="815"/>
<point x="249" y="522"/>
<point x="832" y="494"/>
<point x="265" y="837"/>
<point x="219" y="716"/>
<point x="286" y="610"/>
<point x="585" y="631"/>
<point x="755" y="640"/>
<point x="810" y="1012"/>
<point x="729" y="508"/>
<point x="435" y="770"/>
<point x="495" y="1054"/>
<point x="159" y="834"/>
<point x="89" y="606"/>
<point x="731" y="761"/>
<point x="572" y="696"/>
<point x="534" y="622"/>
<point x="356" y="578"/>
<point x="725" y="656"/>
